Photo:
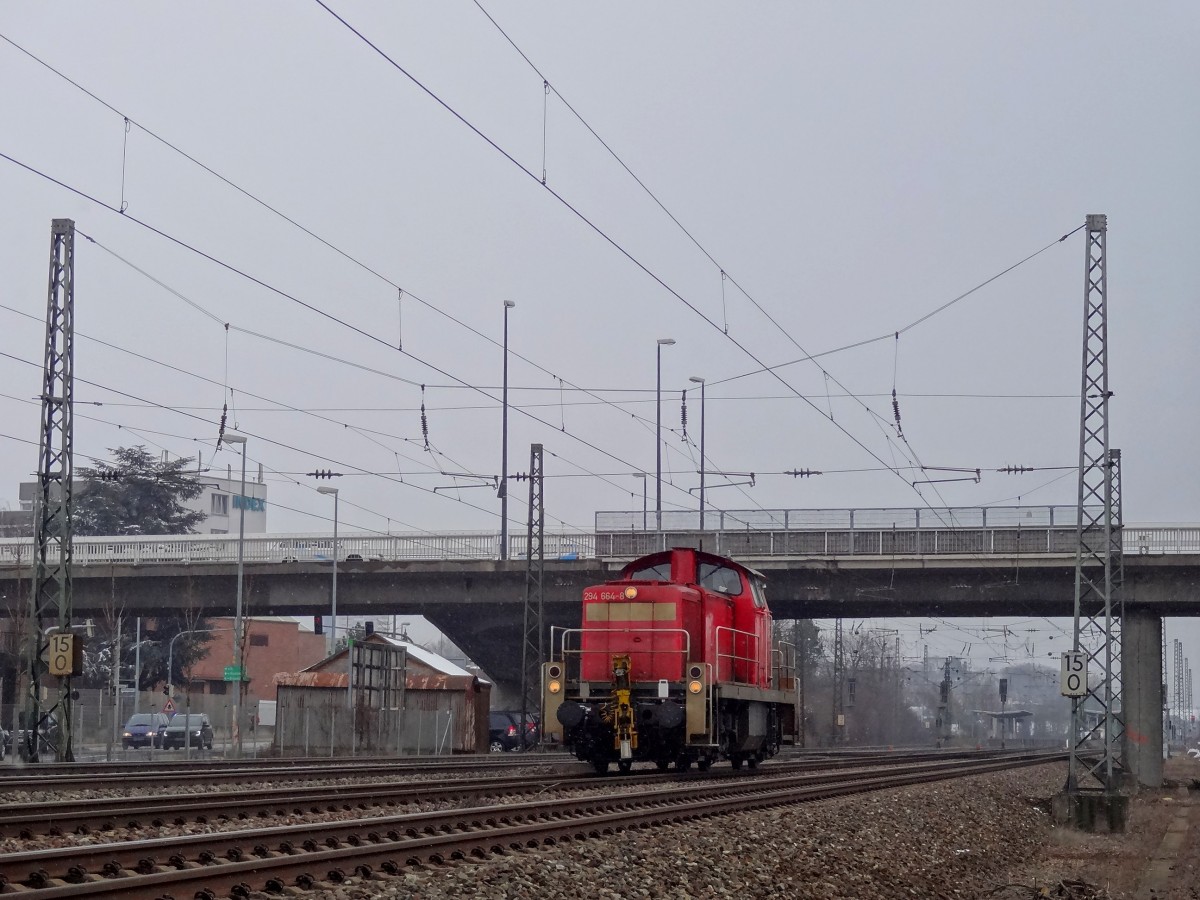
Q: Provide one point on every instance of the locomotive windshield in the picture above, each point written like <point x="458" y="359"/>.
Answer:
<point x="721" y="579"/>
<point x="661" y="572"/>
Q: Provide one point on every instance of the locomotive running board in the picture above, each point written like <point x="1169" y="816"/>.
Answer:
<point x="747" y="692"/>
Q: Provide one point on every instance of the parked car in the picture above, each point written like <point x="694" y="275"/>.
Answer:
<point x="191" y="729"/>
<point x="144" y="730"/>
<point x="504" y="731"/>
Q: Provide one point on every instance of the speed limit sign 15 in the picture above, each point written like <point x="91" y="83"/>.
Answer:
<point x="1073" y="679"/>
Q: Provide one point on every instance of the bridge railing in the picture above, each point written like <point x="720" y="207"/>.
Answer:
<point x="286" y="548"/>
<point x="860" y="541"/>
<point x="946" y="518"/>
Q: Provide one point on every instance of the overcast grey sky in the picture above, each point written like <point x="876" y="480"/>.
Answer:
<point x="851" y="167"/>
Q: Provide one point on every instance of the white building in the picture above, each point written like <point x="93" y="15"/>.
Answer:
<point x="222" y="502"/>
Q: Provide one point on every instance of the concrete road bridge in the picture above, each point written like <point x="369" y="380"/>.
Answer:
<point x="852" y="563"/>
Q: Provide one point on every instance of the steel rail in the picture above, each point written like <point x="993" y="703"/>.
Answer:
<point x="107" y="814"/>
<point x="31" y="779"/>
<point x="216" y="864"/>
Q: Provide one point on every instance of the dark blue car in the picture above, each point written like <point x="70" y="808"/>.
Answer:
<point x="144" y="730"/>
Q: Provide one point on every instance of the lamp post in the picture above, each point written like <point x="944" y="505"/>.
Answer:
<point x="237" y="618"/>
<point x="643" y="476"/>
<point x="700" y="381"/>
<point x="171" y="653"/>
<point x="662" y="342"/>
<point x="508" y="304"/>
<point x="333" y="598"/>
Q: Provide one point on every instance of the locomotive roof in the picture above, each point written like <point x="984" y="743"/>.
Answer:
<point x="701" y="555"/>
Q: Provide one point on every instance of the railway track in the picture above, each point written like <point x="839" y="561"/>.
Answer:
<point x="122" y="775"/>
<point x="26" y="820"/>
<point x="275" y="857"/>
<point x="112" y="775"/>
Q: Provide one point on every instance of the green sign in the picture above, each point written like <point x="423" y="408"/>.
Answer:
<point x="235" y="673"/>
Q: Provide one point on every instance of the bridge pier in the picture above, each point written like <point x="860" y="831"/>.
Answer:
<point x="1141" y="691"/>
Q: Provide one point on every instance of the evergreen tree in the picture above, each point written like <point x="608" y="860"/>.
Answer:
<point x="136" y="494"/>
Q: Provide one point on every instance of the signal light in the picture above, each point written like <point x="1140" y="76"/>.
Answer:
<point x="555" y="687"/>
<point x="695" y="687"/>
<point x="555" y="671"/>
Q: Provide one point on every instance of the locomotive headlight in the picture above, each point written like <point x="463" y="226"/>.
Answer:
<point x="555" y="686"/>
<point x="630" y="593"/>
<point x="695" y="687"/>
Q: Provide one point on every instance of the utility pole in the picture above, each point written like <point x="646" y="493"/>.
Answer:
<point x="50" y="599"/>
<point x="944" y="705"/>
<point x="533" y="648"/>
<point x="839" y="686"/>
<point x="803" y="661"/>
<point x="1096" y="632"/>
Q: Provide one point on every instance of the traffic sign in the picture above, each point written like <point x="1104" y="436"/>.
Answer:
<point x="169" y="707"/>
<point x="235" y="673"/>
<point x="1073" y="677"/>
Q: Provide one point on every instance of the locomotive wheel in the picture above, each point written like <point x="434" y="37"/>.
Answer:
<point x="703" y="763"/>
<point x="683" y="764"/>
<point x="624" y="765"/>
<point x="736" y="762"/>
<point x="753" y="762"/>
<point x="601" y="766"/>
<point x="663" y="764"/>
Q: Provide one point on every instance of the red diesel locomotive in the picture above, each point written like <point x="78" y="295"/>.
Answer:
<point x="674" y="664"/>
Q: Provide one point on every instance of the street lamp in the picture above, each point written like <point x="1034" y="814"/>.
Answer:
<point x="237" y="618"/>
<point x="333" y="603"/>
<point x="700" y="381"/>
<point x="662" y="342"/>
<point x="187" y="722"/>
<point x="642" y="475"/>
<point x="508" y="304"/>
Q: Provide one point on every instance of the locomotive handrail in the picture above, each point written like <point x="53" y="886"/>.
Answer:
<point x="686" y="650"/>
<point x="749" y="661"/>
<point x="781" y="670"/>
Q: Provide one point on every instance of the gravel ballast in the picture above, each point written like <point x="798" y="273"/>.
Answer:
<point x="951" y="839"/>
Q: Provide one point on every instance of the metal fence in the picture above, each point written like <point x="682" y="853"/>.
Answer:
<point x="98" y="725"/>
<point x="313" y="721"/>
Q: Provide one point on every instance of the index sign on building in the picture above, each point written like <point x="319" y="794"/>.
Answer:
<point x="1073" y="680"/>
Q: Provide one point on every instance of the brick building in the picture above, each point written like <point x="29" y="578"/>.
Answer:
<point x="272" y="646"/>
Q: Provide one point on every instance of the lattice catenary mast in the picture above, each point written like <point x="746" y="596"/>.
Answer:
<point x="50" y="599"/>
<point x="533" y="646"/>
<point x="1097" y="560"/>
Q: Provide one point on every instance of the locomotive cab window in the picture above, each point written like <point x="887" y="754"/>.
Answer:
<point x="661" y="572"/>
<point x="721" y="579"/>
<point x="759" y="588"/>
